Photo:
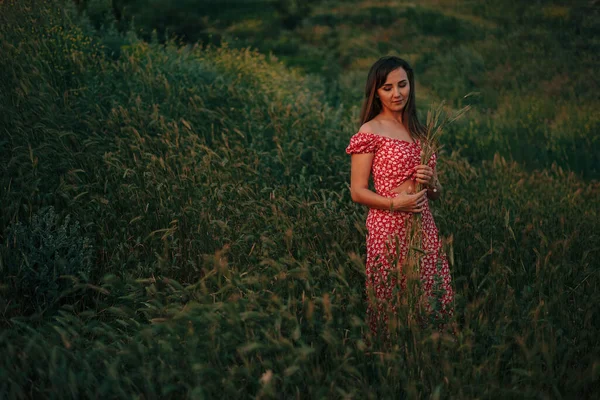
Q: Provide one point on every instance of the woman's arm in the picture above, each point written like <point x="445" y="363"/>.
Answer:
<point x="360" y="192"/>
<point x="359" y="183"/>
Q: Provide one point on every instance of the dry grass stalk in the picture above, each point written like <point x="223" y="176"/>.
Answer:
<point x="414" y="297"/>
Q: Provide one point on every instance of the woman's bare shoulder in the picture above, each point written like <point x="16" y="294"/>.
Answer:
<point x="371" y="126"/>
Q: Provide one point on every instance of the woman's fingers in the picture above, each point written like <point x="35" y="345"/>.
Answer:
<point x="424" y="170"/>
<point x="424" y="175"/>
<point x="420" y="199"/>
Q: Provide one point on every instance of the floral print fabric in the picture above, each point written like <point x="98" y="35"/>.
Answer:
<point x="394" y="162"/>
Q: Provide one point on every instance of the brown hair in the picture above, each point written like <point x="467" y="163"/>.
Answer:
<point x="372" y="106"/>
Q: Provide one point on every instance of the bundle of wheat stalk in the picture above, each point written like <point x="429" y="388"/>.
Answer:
<point x="413" y="297"/>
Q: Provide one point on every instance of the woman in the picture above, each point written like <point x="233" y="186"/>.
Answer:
<point x="388" y="144"/>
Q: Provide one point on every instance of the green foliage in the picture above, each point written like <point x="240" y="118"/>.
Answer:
<point x="213" y="184"/>
<point x="433" y="22"/>
<point x="455" y="73"/>
<point x="41" y="254"/>
<point x="487" y="48"/>
<point x="292" y="12"/>
<point x="533" y="131"/>
<point x="100" y="12"/>
<point x="189" y="20"/>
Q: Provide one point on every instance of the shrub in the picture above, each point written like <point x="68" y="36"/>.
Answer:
<point x="41" y="253"/>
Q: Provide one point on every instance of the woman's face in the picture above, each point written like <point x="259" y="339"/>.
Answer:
<point x="394" y="92"/>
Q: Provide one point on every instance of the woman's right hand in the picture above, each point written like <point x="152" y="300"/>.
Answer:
<point x="410" y="202"/>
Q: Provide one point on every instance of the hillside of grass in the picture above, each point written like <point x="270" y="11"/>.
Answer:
<point x="176" y="223"/>
<point x="530" y="66"/>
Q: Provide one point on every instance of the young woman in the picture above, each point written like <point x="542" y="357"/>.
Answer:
<point x="388" y="146"/>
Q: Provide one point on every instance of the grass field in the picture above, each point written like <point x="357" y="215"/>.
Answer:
<point x="176" y="220"/>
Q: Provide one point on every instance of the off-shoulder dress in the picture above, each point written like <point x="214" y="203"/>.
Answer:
<point x="394" y="162"/>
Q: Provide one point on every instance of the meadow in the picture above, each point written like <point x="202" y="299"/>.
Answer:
<point x="176" y="217"/>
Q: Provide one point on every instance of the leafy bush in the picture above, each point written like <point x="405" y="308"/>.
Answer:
<point x="41" y="253"/>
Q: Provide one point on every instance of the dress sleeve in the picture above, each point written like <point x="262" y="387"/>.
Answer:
<point x="362" y="143"/>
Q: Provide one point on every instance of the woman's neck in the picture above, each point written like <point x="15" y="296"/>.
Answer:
<point x="391" y="116"/>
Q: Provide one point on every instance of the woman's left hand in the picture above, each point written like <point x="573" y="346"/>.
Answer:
<point x="424" y="174"/>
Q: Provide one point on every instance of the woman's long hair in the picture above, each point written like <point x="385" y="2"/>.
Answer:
<point x="372" y="106"/>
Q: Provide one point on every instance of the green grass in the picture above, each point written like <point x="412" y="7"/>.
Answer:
<point x="505" y="52"/>
<point x="535" y="55"/>
<point x="228" y="258"/>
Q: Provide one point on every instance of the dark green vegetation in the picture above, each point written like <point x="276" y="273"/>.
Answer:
<point x="202" y="242"/>
<point x="533" y="66"/>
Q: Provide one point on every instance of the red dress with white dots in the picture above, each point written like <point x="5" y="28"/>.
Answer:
<point x="394" y="162"/>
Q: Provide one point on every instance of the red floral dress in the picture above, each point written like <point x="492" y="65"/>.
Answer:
<point x="394" y="162"/>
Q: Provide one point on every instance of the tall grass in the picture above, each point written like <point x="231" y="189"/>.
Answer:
<point x="228" y="257"/>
